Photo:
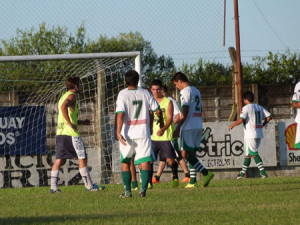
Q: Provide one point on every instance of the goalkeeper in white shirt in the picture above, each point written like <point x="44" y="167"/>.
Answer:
<point x="254" y="117"/>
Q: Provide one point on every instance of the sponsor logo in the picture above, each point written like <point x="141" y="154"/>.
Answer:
<point x="290" y="134"/>
<point x="12" y="124"/>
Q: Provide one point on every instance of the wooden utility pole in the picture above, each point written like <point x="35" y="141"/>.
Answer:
<point x="238" y="55"/>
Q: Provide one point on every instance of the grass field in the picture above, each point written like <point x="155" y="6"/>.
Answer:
<point x="275" y="200"/>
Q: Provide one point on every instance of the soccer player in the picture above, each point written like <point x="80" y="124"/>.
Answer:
<point x="190" y="128"/>
<point x="133" y="130"/>
<point x="163" y="143"/>
<point x="69" y="144"/>
<point x="180" y="160"/>
<point x="252" y="116"/>
<point x="296" y="105"/>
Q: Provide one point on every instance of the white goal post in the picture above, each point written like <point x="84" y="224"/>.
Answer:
<point x="30" y="87"/>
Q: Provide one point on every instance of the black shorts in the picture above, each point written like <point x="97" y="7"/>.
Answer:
<point x="68" y="147"/>
<point x="165" y="148"/>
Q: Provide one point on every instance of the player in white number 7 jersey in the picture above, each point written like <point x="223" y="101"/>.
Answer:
<point x="133" y="130"/>
<point x="252" y="116"/>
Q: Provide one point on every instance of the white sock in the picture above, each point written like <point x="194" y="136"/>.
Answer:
<point x="54" y="179"/>
<point x="86" y="177"/>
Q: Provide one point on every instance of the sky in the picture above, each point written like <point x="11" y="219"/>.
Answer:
<point x="185" y="30"/>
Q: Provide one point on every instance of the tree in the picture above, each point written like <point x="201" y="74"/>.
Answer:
<point x="58" y="40"/>
<point x="209" y="73"/>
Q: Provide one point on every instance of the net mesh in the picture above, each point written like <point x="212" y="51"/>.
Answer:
<point x="30" y="91"/>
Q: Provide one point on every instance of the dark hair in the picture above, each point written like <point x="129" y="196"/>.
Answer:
<point x="165" y="88"/>
<point x="71" y="82"/>
<point x="180" y="76"/>
<point x="156" y="82"/>
<point x="132" y="78"/>
<point x="249" y="96"/>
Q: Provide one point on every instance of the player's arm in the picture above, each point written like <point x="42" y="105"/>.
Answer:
<point x="160" y="118"/>
<point x="151" y="121"/>
<point x="295" y="105"/>
<point x="169" y="120"/>
<point x="236" y="123"/>
<point x="69" y="102"/>
<point x="183" y="116"/>
<point x="267" y="120"/>
<point x="120" y="120"/>
<point x="177" y="118"/>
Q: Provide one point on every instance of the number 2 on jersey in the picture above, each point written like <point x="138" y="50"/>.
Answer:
<point x="197" y="100"/>
<point x="139" y="107"/>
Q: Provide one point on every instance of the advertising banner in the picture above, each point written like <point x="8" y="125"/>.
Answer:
<point x="23" y="130"/>
<point x="221" y="148"/>
<point x="289" y="154"/>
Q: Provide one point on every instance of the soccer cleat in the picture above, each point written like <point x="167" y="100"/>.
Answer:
<point x="240" y="176"/>
<point x="175" y="183"/>
<point x="208" y="178"/>
<point x="186" y="180"/>
<point x="150" y="186"/>
<point x="135" y="189"/>
<point x="126" y="195"/>
<point x="263" y="176"/>
<point x="55" y="191"/>
<point x="189" y="186"/>
<point x="142" y="194"/>
<point x="154" y="180"/>
<point x="95" y="188"/>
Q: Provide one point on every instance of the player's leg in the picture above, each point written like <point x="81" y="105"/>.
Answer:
<point x="55" y="175"/>
<point x="126" y="177"/>
<point x="181" y="161"/>
<point x="144" y="155"/>
<point x="134" y="184"/>
<point x="191" y="141"/>
<point x="168" y="152"/>
<point x="245" y="167"/>
<point x="257" y="159"/>
<point x="160" y="169"/>
<point x="127" y="153"/>
<point x="247" y="161"/>
<point x="78" y="146"/>
<point x="155" y="150"/>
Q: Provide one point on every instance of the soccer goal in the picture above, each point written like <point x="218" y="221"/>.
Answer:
<point x="30" y="87"/>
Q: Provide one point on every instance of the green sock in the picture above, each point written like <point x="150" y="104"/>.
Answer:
<point x="246" y="164"/>
<point x="260" y="165"/>
<point x="134" y="184"/>
<point x="193" y="174"/>
<point x="126" y="178"/>
<point x="197" y="165"/>
<point x="144" y="175"/>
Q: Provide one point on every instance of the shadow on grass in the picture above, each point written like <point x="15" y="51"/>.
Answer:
<point x="67" y="219"/>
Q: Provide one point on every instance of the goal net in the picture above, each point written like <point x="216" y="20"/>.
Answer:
<point x="30" y="87"/>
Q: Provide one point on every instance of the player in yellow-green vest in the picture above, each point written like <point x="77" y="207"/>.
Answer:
<point x="162" y="137"/>
<point x="69" y="144"/>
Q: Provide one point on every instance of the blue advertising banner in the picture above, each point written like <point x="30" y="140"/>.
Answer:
<point x="23" y="130"/>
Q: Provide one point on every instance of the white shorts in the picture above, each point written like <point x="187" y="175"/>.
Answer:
<point x="251" y="146"/>
<point x="297" y="138"/>
<point x="140" y="149"/>
<point x="190" y="140"/>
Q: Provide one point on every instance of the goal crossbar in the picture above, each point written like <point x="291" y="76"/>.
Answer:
<point x="68" y="56"/>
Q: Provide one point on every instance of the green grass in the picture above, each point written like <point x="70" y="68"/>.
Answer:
<point x="249" y="201"/>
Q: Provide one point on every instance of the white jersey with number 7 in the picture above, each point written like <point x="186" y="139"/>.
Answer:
<point x="135" y="104"/>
